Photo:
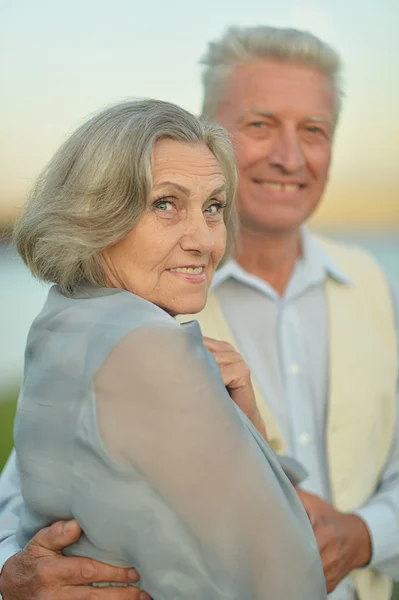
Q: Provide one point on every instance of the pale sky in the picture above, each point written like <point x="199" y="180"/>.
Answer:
<point x="62" y="59"/>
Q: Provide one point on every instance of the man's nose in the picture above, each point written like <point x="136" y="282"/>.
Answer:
<point x="286" y="152"/>
<point x="198" y="236"/>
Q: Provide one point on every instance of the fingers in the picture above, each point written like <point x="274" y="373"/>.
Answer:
<point x="226" y="355"/>
<point x="217" y="345"/>
<point x="105" y="593"/>
<point x="234" y="376"/>
<point x="228" y="358"/>
<point x="49" y="541"/>
<point x="57" y="537"/>
<point x="308" y="504"/>
<point x="80" y="571"/>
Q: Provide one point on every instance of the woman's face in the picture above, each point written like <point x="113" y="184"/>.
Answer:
<point x="170" y="256"/>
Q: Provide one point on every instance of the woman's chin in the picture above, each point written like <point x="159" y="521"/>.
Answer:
<point x="187" y="307"/>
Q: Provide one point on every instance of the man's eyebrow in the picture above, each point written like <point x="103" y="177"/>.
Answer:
<point x="263" y="113"/>
<point x="259" y="113"/>
<point x="270" y="114"/>
<point x="319" y="120"/>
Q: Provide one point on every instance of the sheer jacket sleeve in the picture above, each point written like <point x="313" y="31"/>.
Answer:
<point x="221" y="519"/>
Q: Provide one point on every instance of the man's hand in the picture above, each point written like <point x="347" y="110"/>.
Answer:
<point x="237" y="379"/>
<point x="40" y="572"/>
<point x="343" y="540"/>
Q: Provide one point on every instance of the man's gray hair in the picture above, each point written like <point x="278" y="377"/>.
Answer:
<point x="241" y="45"/>
<point x="96" y="187"/>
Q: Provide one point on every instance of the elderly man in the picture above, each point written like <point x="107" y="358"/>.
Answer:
<point x="314" y="320"/>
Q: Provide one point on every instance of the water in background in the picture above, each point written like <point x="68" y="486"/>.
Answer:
<point x="22" y="298"/>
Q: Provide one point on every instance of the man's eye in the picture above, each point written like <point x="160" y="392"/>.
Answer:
<point x="164" y="205"/>
<point x="314" y="129"/>
<point x="257" y="124"/>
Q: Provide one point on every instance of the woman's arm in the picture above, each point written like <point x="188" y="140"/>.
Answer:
<point x="164" y="412"/>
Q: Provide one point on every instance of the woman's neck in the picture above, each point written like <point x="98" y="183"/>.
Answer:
<point x="270" y="257"/>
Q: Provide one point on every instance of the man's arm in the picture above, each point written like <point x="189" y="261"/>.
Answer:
<point x="381" y="513"/>
<point x="10" y="509"/>
<point x="370" y="536"/>
<point x="343" y="539"/>
<point x="40" y="570"/>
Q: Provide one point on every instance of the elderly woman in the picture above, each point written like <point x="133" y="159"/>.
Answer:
<point x="124" y="421"/>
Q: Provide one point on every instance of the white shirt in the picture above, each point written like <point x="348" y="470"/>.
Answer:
<point x="284" y="340"/>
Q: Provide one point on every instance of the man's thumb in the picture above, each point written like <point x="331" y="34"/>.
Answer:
<point x="57" y="537"/>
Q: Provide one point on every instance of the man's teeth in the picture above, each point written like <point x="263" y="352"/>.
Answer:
<point x="188" y="270"/>
<point x="281" y="187"/>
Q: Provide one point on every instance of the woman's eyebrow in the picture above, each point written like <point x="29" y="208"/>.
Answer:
<point x="177" y="186"/>
<point x="218" y="190"/>
<point x="187" y="191"/>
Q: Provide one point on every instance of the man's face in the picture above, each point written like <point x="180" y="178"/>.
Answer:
<point x="281" y="117"/>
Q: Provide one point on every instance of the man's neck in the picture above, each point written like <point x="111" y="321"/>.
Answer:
<point x="269" y="256"/>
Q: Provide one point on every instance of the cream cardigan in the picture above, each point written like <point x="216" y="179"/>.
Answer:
<point x="362" y="374"/>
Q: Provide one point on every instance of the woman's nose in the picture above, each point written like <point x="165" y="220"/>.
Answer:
<point x="198" y="236"/>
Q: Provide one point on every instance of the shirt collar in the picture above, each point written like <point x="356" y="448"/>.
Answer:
<point x="232" y="270"/>
<point x="311" y="268"/>
<point x="317" y="262"/>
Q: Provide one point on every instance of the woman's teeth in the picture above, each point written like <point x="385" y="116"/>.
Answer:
<point x="188" y="270"/>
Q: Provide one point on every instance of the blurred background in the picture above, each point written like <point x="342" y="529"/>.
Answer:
<point x="62" y="60"/>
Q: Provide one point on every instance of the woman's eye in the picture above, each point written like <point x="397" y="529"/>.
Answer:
<point x="164" y="205"/>
<point x="215" y="208"/>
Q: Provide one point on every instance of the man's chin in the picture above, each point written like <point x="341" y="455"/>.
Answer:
<point x="281" y="224"/>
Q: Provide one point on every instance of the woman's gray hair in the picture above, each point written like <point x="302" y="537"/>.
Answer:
<point x="241" y="45"/>
<point x="96" y="187"/>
